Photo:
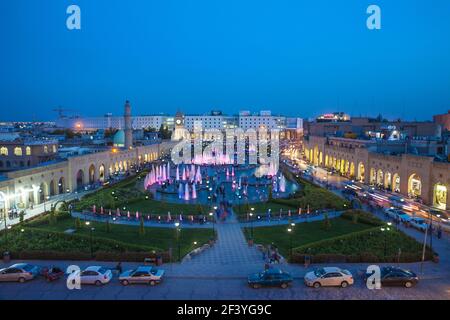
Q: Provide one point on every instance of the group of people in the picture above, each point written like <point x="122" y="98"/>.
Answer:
<point x="271" y="255"/>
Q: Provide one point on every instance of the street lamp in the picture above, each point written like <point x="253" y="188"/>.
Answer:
<point x="91" y="230"/>
<point x="213" y="222"/>
<point x="385" y="230"/>
<point x="290" y="243"/>
<point x="251" y="225"/>
<point x="178" y="231"/>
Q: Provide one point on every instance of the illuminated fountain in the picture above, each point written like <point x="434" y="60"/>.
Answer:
<point x="282" y="184"/>
<point x="194" y="192"/>
<point x="180" y="191"/>
<point x="186" y="192"/>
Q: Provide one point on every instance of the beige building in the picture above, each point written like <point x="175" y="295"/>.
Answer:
<point x="408" y="174"/>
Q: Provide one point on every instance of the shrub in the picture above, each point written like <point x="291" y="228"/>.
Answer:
<point x="78" y="223"/>
<point x="364" y="246"/>
<point x="141" y="227"/>
<point x="326" y="221"/>
<point x="361" y="217"/>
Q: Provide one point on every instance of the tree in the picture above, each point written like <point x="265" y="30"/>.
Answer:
<point x="199" y="209"/>
<point x="164" y="132"/>
<point x="51" y="217"/>
<point x="355" y="217"/>
<point x="326" y="221"/>
<point x="108" y="226"/>
<point x="21" y="217"/>
<point x="78" y="223"/>
<point x="141" y="227"/>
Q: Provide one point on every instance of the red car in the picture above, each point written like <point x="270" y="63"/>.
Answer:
<point x="52" y="273"/>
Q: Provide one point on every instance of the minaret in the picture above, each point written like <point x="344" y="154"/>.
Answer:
<point x="128" y="129"/>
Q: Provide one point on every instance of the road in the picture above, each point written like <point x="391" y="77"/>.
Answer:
<point x="198" y="283"/>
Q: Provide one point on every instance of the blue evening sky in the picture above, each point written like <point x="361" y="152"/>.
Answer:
<point x="291" y="56"/>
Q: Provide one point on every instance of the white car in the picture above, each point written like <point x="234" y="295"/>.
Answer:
<point x="329" y="276"/>
<point x="419" y="223"/>
<point x="95" y="275"/>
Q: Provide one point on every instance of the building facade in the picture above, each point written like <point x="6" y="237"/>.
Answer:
<point x="408" y="174"/>
<point x="20" y="154"/>
<point x="21" y="189"/>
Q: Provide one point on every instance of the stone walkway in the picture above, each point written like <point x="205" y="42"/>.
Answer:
<point x="231" y="248"/>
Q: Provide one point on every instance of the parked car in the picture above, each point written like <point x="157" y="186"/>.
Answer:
<point x="95" y="275"/>
<point x="397" y="214"/>
<point x="20" y="272"/>
<point x="349" y="191"/>
<point x="419" y="223"/>
<point x="270" y="278"/>
<point x="329" y="276"/>
<point x="403" y="216"/>
<point x="143" y="274"/>
<point x="394" y="276"/>
<point x="52" y="273"/>
<point x="391" y="212"/>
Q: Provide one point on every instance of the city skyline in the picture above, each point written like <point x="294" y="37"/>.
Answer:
<point x="294" y="58"/>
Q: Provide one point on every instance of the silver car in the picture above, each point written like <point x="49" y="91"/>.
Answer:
<point x="144" y="274"/>
<point x="329" y="276"/>
<point x="95" y="275"/>
<point x="20" y="272"/>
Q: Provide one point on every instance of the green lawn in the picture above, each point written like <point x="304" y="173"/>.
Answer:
<point x="262" y="208"/>
<point x="130" y="194"/>
<point x="372" y="243"/>
<point x="159" y="239"/>
<point x="149" y="206"/>
<point x="303" y="233"/>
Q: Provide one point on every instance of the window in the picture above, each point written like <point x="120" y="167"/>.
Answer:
<point x="28" y="151"/>
<point x="54" y="149"/>
<point x="45" y="149"/>
<point x="4" y="151"/>
<point x="18" y="151"/>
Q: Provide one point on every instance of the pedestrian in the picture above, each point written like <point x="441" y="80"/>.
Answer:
<point x="439" y="232"/>
<point x="119" y="267"/>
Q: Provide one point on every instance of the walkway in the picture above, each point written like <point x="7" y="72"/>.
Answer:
<point x="231" y="248"/>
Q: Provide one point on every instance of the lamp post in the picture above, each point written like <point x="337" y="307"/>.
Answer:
<point x="213" y="222"/>
<point x="178" y="231"/>
<point x="91" y="230"/>
<point x="431" y="230"/>
<point x="385" y="230"/>
<point x="251" y="225"/>
<point x="290" y="243"/>
<point x="239" y="203"/>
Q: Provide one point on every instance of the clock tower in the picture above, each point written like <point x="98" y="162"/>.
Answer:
<point x="179" y="126"/>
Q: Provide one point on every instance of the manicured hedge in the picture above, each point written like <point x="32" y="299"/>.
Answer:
<point x="362" y="217"/>
<point x="34" y="239"/>
<point x="364" y="246"/>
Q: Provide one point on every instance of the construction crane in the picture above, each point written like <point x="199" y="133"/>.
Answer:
<point x="60" y="110"/>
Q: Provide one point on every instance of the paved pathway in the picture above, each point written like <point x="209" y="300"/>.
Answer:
<point x="230" y="248"/>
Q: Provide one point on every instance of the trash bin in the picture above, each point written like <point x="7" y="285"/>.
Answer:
<point x="6" y="257"/>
